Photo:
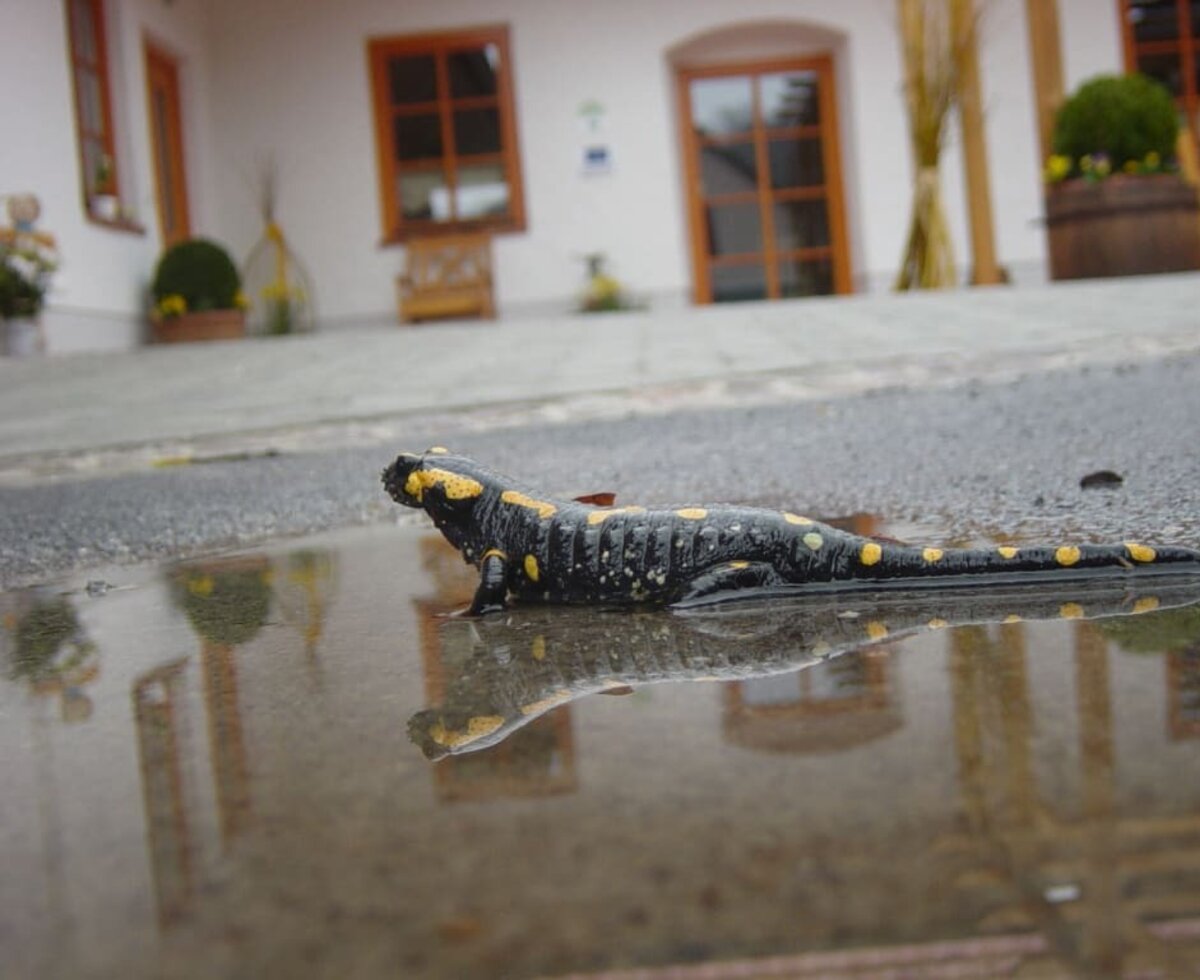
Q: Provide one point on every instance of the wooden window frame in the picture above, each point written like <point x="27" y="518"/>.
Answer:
<point x="395" y="228"/>
<point x="832" y="190"/>
<point x="105" y="137"/>
<point x="1186" y="47"/>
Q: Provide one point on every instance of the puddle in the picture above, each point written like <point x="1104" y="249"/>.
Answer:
<point x="219" y="769"/>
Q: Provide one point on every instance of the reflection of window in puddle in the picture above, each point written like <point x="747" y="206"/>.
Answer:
<point x="838" y="704"/>
<point x="1183" y="692"/>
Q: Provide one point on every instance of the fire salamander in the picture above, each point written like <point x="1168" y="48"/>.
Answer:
<point x="535" y="547"/>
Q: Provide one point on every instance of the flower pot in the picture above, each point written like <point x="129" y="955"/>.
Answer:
<point x="204" y="325"/>
<point x="22" y="337"/>
<point x="105" y="207"/>
<point x="1123" y="226"/>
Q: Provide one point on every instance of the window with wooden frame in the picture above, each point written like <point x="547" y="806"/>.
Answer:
<point x="93" y="107"/>
<point x="445" y="133"/>
<point x="1162" y="40"/>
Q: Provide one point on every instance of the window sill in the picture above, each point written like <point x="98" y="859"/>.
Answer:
<point x="435" y="230"/>
<point x="117" y="224"/>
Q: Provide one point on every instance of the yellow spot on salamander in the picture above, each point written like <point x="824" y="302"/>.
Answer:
<point x="1007" y="551"/>
<point x="1067" y="555"/>
<point x="814" y="540"/>
<point x="796" y="519"/>
<point x="537" y="649"/>
<point x="600" y="516"/>
<point x="531" y="568"/>
<point x="937" y="624"/>
<point x="870" y="553"/>
<point x="456" y="487"/>
<point x="1012" y="618"/>
<point x="437" y="451"/>
<point x="876" y="630"/>
<point x="543" y="507"/>
<point x="692" y="513"/>
<point x="739" y="564"/>
<point x="1146" y="604"/>
<point x="496" y="552"/>
<point x="1071" y="610"/>
<point x="477" y="728"/>
<point x="932" y="555"/>
<point x="1140" y="552"/>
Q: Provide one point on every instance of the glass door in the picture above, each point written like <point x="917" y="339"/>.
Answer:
<point x="764" y="182"/>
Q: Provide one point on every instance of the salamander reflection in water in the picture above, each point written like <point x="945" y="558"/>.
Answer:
<point x="542" y="548"/>
<point x="520" y="666"/>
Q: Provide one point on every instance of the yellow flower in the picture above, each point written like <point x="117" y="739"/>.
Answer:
<point x="1152" y="160"/>
<point x="240" y="300"/>
<point x="172" y="305"/>
<point x="1131" y="166"/>
<point x="1103" y="166"/>
<point x="1057" y="168"/>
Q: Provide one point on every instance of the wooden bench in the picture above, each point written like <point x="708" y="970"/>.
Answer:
<point x="447" y="276"/>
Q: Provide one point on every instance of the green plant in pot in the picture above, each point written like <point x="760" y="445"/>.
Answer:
<point x="1115" y="203"/>
<point x="197" y="293"/>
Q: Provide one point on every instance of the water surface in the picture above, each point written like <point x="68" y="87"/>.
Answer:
<point x="223" y="768"/>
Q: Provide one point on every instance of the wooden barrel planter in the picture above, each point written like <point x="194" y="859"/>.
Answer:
<point x="1123" y="226"/>
<point x="204" y="325"/>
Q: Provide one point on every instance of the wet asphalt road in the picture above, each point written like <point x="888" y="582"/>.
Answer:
<point x="954" y="464"/>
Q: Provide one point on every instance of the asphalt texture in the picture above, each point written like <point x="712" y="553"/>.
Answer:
<point x="961" y="463"/>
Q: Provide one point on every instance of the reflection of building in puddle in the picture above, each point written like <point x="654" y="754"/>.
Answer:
<point x="1183" y="692"/>
<point x="837" y="704"/>
<point x="304" y="582"/>
<point x="540" y="760"/>
<point x="1108" y="891"/>
<point x="227" y="603"/>
<point x="158" y="704"/>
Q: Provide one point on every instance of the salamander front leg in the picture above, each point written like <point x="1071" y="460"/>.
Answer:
<point x="492" y="591"/>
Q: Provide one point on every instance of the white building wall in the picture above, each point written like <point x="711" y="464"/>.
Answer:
<point x="277" y="79"/>
<point x="98" y="294"/>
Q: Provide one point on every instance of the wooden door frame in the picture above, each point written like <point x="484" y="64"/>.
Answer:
<point x="153" y="52"/>
<point x="831" y="160"/>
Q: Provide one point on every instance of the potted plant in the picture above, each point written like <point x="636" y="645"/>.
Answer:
<point x="27" y="261"/>
<point x="1115" y="202"/>
<point x="197" y="294"/>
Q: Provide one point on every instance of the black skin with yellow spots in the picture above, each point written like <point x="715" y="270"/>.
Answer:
<point x="540" y="548"/>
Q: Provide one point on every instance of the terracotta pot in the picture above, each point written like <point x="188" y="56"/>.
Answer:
<point x="1123" y="226"/>
<point x="205" y="325"/>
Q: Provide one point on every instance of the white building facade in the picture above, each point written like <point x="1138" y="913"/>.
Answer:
<point x="650" y="132"/>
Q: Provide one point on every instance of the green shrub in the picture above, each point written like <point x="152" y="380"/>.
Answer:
<point x="201" y="273"/>
<point x="1124" y="118"/>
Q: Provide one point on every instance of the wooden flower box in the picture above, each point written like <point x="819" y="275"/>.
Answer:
<point x="1122" y="226"/>
<point x="204" y="325"/>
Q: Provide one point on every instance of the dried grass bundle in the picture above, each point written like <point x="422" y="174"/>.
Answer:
<point x="931" y="89"/>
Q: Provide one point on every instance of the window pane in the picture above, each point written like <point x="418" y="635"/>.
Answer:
<point x="474" y="72"/>
<point x="796" y="163"/>
<point x="412" y="79"/>
<point x="806" y="278"/>
<point x="734" y="229"/>
<point x="418" y="137"/>
<point x="790" y="99"/>
<point x="801" y="224"/>
<point x="83" y="27"/>
<point x="477" y="131"/>
<point x="482" y="191"/>
<point x="728" y="169"/>
<point x="721" y="106"/>
<point x="732" y="283"/>
<point x="1153" y="20"/>
<point x="423" y="196"/>
<point x="93" y="155"/>
<point x="1165" y="69"/>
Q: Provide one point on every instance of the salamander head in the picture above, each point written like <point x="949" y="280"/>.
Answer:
<point x="434" y="480"/>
